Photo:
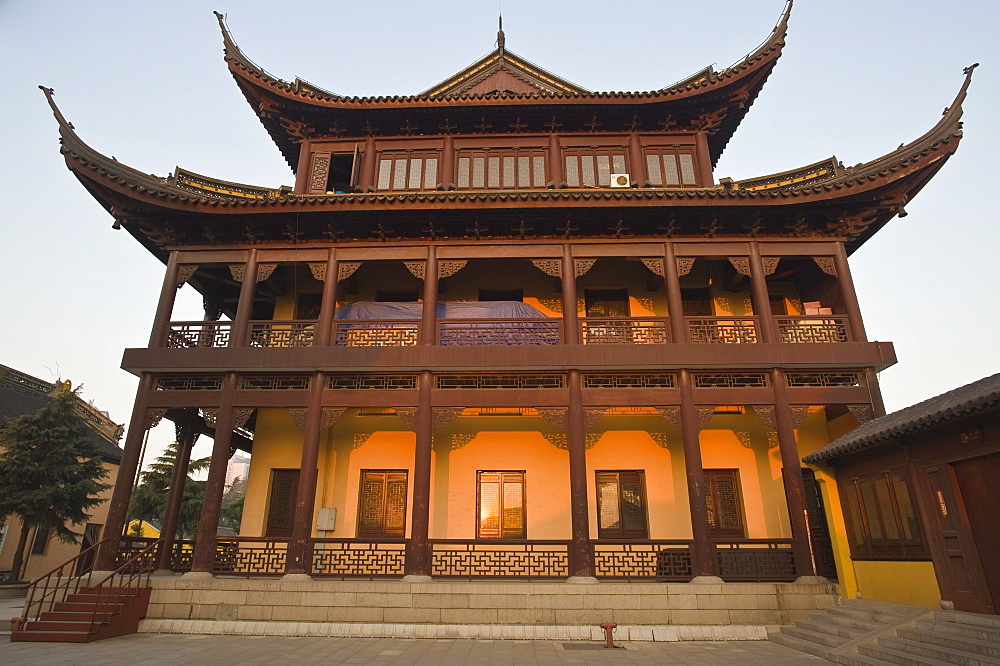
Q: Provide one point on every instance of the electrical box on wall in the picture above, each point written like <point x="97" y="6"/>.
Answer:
<point x="326" y="519"/>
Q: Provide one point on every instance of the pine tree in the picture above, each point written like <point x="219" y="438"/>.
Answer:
<point x="149" y="498"/>
<point x="50" y="472"/>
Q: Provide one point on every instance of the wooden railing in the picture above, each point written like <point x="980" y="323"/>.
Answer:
<point x="188" y="334"/>
<point x="375" y="333"/>
<point x="812" y="328"/>
<point x="358" y="558"/>
<point x="625" y="331"/>
<point x="250" y="556"/>
<point x="282" y="333"/>
<point x="123" y="585"/>
<point x="497" y="332"/>
<point x="181" y="556"/>
<point x="479" y="559"/>
<point x="643" y="560"/>
<point x="756" y="560"/>
<point x="722" y="330"/>
<point x="54" y="586"/>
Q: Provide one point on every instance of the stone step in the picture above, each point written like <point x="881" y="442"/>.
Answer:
<point x="960" y="629"/>
<point x="987" y="648"/>
<point x="819" y="637"/>
<point x="800" y="644"/>
<point x="989" y="621"/>
<point x="822" y="625"/>
<point x="860" y="660"/>
<point x="843" y="621"/>
<point x="898" y="657"/>
<point x="864" y="615"/>
<point x="941" y="653"/>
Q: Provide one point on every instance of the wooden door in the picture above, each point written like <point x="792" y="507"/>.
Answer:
<point x="281" y="502"/>
<point x="979" y="483"/>
<point x="957" y="565"/>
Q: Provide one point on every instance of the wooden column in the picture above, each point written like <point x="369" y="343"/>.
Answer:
<point x="369" y="163"/>
<point x="417" y="547"/>
<point x="128" y="467"/>
<point x="446" y="175"/>
<point x="571" y="323"/>
<point x="672" y="288"/>
<point x="187" y="433"/>
<point x="299" y="553"/>
<point x="703" y="559"/>
<point x="302" y="173"/>
<point x="849" y="296"/>
<point x="165" y="307"/>
<point x="328" y="302"/>
<point x="791" y="470"/>
<point x="204" y="547"/>
<point x="428" y="319"/>
<point x="244" y="310"/>
<point x="874" y="393"/>
<point x="637" y="168"/>
<point x="555" y="161"/>
<point x="761" y="298"/>
<point x="581" y="555"/>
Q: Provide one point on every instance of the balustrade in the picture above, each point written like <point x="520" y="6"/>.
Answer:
<point x="477" y="332"/>
<point x="282" y="333"/>
<point x="375" y="333"/>
<point x="643" y="560"/>
<point x="812" y="328"/>
<point x="186" y="334"/>
<point x="524" y="560"/>
<point x="756" y="560"/>
<point x="250" y="556"/>
<point x="355" y="558"/>
<point x="722" y="330"/>
<point x="625" y="331"/>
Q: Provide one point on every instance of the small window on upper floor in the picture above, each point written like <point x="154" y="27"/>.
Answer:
<point x="592" y="167"/>
<point x="407" y="170"/>
<point x="513" y="168"/>
<point x="669" y="167"/>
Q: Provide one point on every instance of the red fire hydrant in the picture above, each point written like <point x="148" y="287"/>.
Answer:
<point x="609" y="628"/>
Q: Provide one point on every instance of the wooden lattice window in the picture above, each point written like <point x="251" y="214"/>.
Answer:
<point x="725" y="504"/>
<point x="606" y="302"/>
<point x="696" y="302"/>
<point x="407" y="171"/>
<point x="621" y="505"/>
<point x="592" y="167"/>
<point x="500" y="497"/>
<point x="670" y="168"/>
<point x="515" y="168"/>
<point x="882" y="522"/>
<point x="382" y="503"/>
<point x="281" y="502"/>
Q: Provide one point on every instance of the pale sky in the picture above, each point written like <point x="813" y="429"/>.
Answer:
<point x="146" y="82"/>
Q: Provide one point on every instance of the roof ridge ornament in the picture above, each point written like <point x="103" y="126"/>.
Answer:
<point x="501" y="39"/>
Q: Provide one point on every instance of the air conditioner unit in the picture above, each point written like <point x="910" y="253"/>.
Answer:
<point x="620" y="180"/>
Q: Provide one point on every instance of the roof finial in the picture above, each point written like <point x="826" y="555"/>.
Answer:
<point x="500" y="35"/>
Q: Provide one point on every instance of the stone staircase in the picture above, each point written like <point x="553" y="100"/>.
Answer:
<point x="866" y="633"/>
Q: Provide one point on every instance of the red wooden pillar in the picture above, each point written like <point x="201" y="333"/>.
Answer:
<point x="417" y="547"/>
<point x="582" y="554"/>
<point x="571" y="323"/>
<point x="328" y="302"/>
<point x="637" y="167"/>
<point x="127" y="470"/>
<point x="428" y="321"/>
<point x="555" y="161"/>
<point x="299" y="553"/>
<point x="791" y="470"/>
<point x="187" y="433"/>
<point x="761" y="298"/>
<point x="165" y="307"/>
<point x="204" y="547"/>
<point x="672" y="287"/>
<point x="369" y="163"/>
<point x="703" y="559"/>
<point x="244" y="310"/>
<point x="446" y="176"/>
<point x="850" y="297"/>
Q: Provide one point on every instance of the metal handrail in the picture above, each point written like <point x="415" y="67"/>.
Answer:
<point x="138" y="567"/>
<point x="48" y="586"/>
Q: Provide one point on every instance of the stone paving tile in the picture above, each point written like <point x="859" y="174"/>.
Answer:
<point x="191" y="649"/>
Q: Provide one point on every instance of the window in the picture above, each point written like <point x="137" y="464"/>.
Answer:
<point x="606" y="302"/>
<point x="592" y="167"/>
<point x="670" y="168"/>
<point x="500" y="496"/>
<point x="407" y="171"/>
<point x="696" y="302"/>
<point x="41" y="540"/>
<point x="725" y="505"/>
<point x="515" y="168"/>
<point x="881" y="520"/>
<point x="281" y="502"/>
<point x="621" y="505"/>
<point x="382" y="503"/>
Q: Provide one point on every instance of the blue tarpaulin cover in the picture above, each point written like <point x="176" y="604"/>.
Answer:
<point x="371" y="310"/>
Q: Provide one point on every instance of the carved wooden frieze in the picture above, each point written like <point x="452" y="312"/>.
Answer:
<point x="592" y="415"/>
<point x="654" y="265"/>
<point x="799" y="414"/>
<point x="661" y="439"/>
<point x="826" y="264"/>
<point x="237" y="271"/>
<point x="591" y="439"/>
<point x="449" y="268"/>
<point x="241" y="415"/>
<point x="185" y="273"/>
<point x="705" y="414"/>
<point x="684" y="265"/>
<point x="554" y="415"/>
<point x="330" y="416"/>
<point x="459" y="440"/>
<point x="408" y="415"/>
<point x="320" y="173"/>
<point x="445" y="415"/>
<point x="347" y="269"/>
<point x="557" y="439"/>
<point x="551" y="267"/>
<point x="741" y="264"/>
<point x="318" y="271"/>
<point x="154" y="416"/>
<point x="765" y="413"/>
<point x="862" y="413"/>
<point x="744" y="439"/>
<point x="264" y="271"/>
<point x="671" y="414"/>
<point x="770" y="264"/>
<point x="584" y="265"/>
<point x="772" y="439"/>
<point x="416" y="267"/>
<point x="210" y="416"/>
<point x="359" y="439"/>
<point x="298" y="416"/>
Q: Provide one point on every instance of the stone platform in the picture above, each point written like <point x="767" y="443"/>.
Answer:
<point x="547" y="610"/>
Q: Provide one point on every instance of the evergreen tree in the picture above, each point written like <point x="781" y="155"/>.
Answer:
<point x="50" y="472"/>
<point x="149" y="498"/>
<point x="232" y="504"/>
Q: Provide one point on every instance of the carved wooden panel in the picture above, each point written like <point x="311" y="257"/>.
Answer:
<point x="770" y="264"/>
<point x="449" y="268"/>
<point x="671" y="413"/>
<point x="320" y="173"/>
<point x="362" y="381"/>
<point x="684" y="265"/>
<point x="237" y="271"/>
<point x="416" y="268"/>
<point x="654" y="265"/>
<point x="154" y="416"/>
<point x="445" y="415"/>
<point x="823" y="379"/>
<point x="826" y="264"/>
<point x="189" y="383"/>
<point x="592" y="415"/>
<point x="264" y="271"/>
<point x="551" y="267"/>
<point x="318" y="270"/>
<point x="241" y="415"/>
<point x="629" y="380"/>
<point x="554" y="415"/>
<point x="799" y="414"/>
<point x="500" y="381"/>
<point x="730" y="380"/>
<point x="863" y="413"/>
<point x="705" y="414"/>
<point x="741" y="264"/>
<point x="765" y="413"/>
<point x="185" y="273"/>
<point x="584" y="265"/>
<point x="347" y="269"/>
<point x="408" y="415"/>
<point x="210" y="416"/>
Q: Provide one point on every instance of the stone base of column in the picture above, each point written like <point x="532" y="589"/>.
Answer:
<point x="414" y="578"/>
<point x="706" y="580"/>
<point x="582" y="580"/>
<point x="812" y="580"/>
<point x="297" y="576"/>
<point x="163" y="572"/>
<point x="198" y="575"/>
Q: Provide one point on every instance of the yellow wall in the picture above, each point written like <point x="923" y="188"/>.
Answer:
<point x="911" y="583"/>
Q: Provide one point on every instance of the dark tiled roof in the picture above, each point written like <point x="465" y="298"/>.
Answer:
<point x="22" y="394"/>
<point x="967" y="399"/>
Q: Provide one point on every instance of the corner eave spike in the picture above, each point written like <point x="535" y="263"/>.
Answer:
<point x="501" y="40"/>
<point x="49" y="92"/>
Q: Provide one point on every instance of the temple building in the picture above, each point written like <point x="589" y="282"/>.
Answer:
<point x="511" y="329"/>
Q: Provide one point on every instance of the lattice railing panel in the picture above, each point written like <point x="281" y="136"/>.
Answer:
<point x="531" y="560"/>
<point x="282" y="333"/>
<point x="189" y="382"/>
<point x="274" y="382"/>
<point x="730" y="380"/>
<point x="722" y="330"/>
<point x="823" y="379"/>
<point x="501" y="381"/>
<point x="756" y="561"/>
<point x="637" y="561"/>
<point x="342" y="558"/>
<point x="250" y="557"/>
<point x="629" y="380"/>
<point x="485" y="332"/>
<point x="361" y="382"/>
<point x="812" y="329"/>
<point x="632" y="331"/>
<point x="187" y="334"/>
<point x="382" y="333"/>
